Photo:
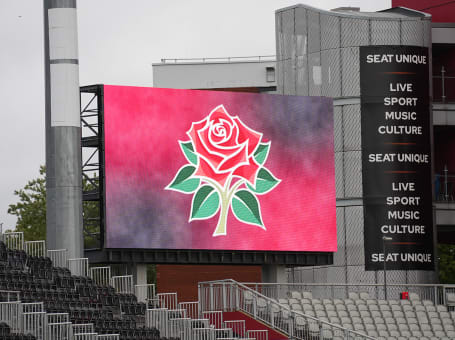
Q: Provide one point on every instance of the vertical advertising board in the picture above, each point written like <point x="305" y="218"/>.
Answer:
<point x="396" y="163"/>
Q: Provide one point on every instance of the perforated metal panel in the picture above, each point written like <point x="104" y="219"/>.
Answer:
<point x="330" y="31"/>
<point x="314" y="34"/>
<point x="320" y="275"/>
<point x="339" y="258"/>
<point x="315" y="74"/>
<point x="339" y="175"/>
<point x="279" y="52"/>
<point x="427" y="33"/>
<point x="352" y="174"/>
<point x="357" y="274"/>
<point x="336" y="274"/>
<point x="301" y="31"/>
<point x="351" y="127"/>
<point x="350" y="72"/>
<point x="301" y="81"/>
<point x="287" y="26"/>
<point x="412" y="33"/>
<point x="385" y="32"/>
<point x="354" y="32"/>
<point x="338" y="128"/>
<point x="354" y="235"/>
<point x="288" y="76"/>
<point x="331" y="73"/>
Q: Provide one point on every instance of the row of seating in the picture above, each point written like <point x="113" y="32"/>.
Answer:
<point x="5" y="333"/>
<point x="388" y="319"/>
<point x="38" y="280"/>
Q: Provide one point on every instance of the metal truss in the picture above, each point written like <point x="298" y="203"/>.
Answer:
<point x="92" y="141"/>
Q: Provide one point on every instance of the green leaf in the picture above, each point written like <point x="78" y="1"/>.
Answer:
<point x="265" y="182"/>
<point x="261" y="153"/>
<point x="205" y="204"/>
<point x="245" y="207"/>
<point x="183" y="181"/>
<point x="188" y="151"/>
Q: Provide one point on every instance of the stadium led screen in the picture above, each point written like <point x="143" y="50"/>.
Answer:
<point x="215" y="170"/>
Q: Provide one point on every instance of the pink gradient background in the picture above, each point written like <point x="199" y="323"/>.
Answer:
<point x="142" y="156"/>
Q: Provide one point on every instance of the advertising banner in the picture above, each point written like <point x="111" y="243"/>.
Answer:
<point x="216" y="170"/>
<point x="396" y="162"/>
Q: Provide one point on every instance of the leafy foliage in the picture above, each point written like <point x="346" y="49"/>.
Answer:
<point x="30" y="211"/>
<point x="446" y="263"/>
<point x="31" y="208"/>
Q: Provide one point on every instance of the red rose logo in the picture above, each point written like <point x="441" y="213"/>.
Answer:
<point x="226" y="170"/>
<point x="225" y="147"/>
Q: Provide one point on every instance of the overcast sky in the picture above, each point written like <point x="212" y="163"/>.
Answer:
<point x="118" y="42"/>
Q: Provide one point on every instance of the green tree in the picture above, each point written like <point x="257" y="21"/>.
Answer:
<point x="30" y="211"/>
<point x="446" y="254"/>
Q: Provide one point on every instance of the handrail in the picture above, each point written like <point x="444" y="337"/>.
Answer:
<point x="219" y="59"/>
<point x="271" y="301"/>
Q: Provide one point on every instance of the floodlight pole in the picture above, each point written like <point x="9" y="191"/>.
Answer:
<point x="63" y="128"/>
<point x="385" y="238"/>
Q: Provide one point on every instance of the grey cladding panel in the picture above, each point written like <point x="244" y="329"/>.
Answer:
<point x="288" y="76"/>
<point x="330" y="31"/>
<point x="287" y="25"/>
<point x="412" y="32"/>
<point x="354" y="235"/>
<point x="339" y="175"/>
<point x="302" y="76"/>
<point x="427" y="33"/>
<point x="301" y="31"/>
<point x="350" y="72"/>
<point x="330" y="66"/>
<point x="339" y="257"/>
<point x="338" y="128"/>
<point x="337" y="275"/>
<point x="315" y="74"/>
<point x="279" y="52"/>
<point x="357" y="274"/>
<point x="352" y="174"/>
<point x="385" y="32"/>
<point x="351" y="127"/>
<point x="354" y="32"/>
<point x="314" y="34"/>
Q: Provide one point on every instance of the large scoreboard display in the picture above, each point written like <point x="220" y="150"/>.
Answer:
<point x="212" y="170"/>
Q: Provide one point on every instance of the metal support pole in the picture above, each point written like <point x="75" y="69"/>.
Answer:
<point x="385" y="238"/>
<point x="63" y="128"/>
<point x="446" y="185"/>
<point x="443" y="71"/>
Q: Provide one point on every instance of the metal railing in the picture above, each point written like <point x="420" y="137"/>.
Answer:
<point x="78" y="266"/>
<point x="219" y="59"/>
<point x="258" y="335"/>
<point x="34" y="323"/>
<point x="123" y="284"/>
<point x="10" y="312"/>
<point x="58" y="257"/>
<point x="14" y="240"/>
<point x="35" y="248"/>
<point x="192" y="309"/>
<point x="443" y="85"/>
<point x="228" y="295"/>
<point x="435" y="293"/>
<point x="145" y="292"/>
<point x="167" y="300"/>
<point x="444" y="186"/>
<point x="101" y="275"/>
